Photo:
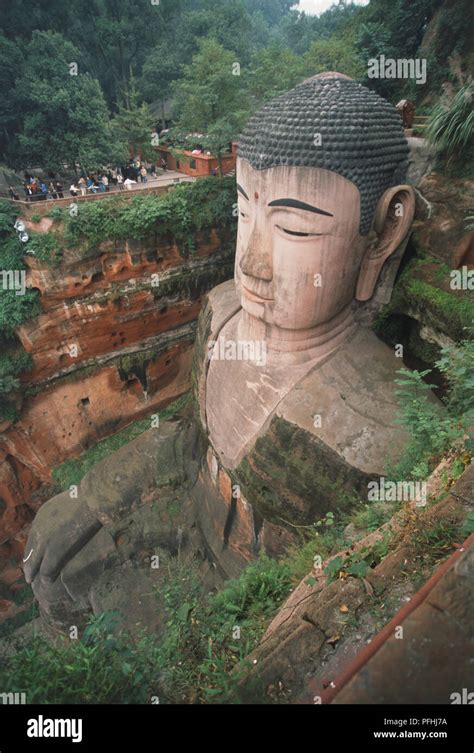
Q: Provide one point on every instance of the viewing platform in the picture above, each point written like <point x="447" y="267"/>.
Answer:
<point x="162" y="184"/>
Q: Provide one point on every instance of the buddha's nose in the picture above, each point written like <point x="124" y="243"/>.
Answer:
<point x="256" y="260"/>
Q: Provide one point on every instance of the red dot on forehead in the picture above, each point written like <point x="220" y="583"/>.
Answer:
<point x="256" y="194"/>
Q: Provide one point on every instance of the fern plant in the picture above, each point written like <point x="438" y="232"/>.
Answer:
<point x="451" y="126"/>
<point x="431" y="428"/>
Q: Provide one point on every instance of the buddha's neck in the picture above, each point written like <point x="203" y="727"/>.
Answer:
<point x="299" y="344"/>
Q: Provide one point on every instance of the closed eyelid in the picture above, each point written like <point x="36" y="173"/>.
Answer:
<point x="299" y="233"/>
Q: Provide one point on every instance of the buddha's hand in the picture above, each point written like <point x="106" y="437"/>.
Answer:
<point x="71" y="535"/>
<point x="62" y="527"/>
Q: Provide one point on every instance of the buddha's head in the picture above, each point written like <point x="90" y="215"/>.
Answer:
<point x="322" y="205"/>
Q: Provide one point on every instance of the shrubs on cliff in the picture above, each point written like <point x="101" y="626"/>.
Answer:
<point x="206" y="637"/>
<point x="180" y="213"/>
<point x="12" y="363"/>
<point x="14" y="309"/>
<point x="46" y="247"/>
<point x="451" y="127"/>
<point x="102" y="667"/>
<point x="434" y="430"/>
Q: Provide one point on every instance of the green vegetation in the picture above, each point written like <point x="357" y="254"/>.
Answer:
<point x="64" y="117"/>
<point x="192" y="663"/>
<point x="57" y="213"/>
<point x="451" y="126"/>
<point x="454" y="309"/>
<point x="457" y="366"/>
<point x="435" y="542"/>
<point x="357" y="563"/>
<point x="134" y="124"/>
<point x="14" y="310"/>
<point x="72" y="471"/>
<point x="452" y="312"/>
<point x="372" y="516"/>
<point x="99" y="668"/>
<point x="433" y="430"/>
<point x="12" y="363"/>
<point x="46" y="247"/>
<point x="179" y="214"/>
<point x="186" y="51"/>
<point x="211" y="94"/>
<point x="207" y="637"/>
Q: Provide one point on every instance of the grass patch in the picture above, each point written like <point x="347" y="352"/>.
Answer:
<point x="207" y="636"/>
<point x="372" y="516"/>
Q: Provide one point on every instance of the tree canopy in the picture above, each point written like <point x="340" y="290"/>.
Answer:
<point x="62" y="112"/>
<point x="177" y="56"/>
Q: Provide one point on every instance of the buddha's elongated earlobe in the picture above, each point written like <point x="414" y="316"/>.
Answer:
<point x="392" y="222"/>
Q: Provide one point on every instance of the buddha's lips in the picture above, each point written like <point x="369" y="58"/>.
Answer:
<point x="254" y="297"/>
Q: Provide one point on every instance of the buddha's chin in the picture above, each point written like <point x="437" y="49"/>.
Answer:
<point x="257" y="310"/>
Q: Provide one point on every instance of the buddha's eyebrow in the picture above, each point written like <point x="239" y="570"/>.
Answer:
<point x="239" y="188"/>
<point x="295" y="204"/>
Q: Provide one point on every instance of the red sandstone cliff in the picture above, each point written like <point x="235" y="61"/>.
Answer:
<point x="112" y="343"/>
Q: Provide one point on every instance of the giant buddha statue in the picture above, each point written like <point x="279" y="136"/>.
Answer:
<point x="293" y="395"/>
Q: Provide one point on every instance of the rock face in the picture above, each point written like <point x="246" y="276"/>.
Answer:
<point x="442" y="229"/>
<point x="432" y="305"/>
<point x="314" y="648"/>
<point x="421" y="159"/>
<point x="113" y="341"/>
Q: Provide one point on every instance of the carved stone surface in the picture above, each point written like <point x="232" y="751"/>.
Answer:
<point x="361" y="136"/>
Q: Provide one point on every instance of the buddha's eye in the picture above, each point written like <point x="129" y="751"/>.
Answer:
<point x="244" y="215"/>
<point x="294" y="232"/>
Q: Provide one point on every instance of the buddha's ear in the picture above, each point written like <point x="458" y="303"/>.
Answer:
<point x="392" y="222"/>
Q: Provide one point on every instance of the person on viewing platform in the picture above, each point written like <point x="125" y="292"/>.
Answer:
<point x="120" y="181"/>
<point x="52" y="190"/>
<point x="13" y="194"/>
<point x="105" y="182"/>
<point x="82" y="185"/>
<point x="144" y="174"/>
<point x="73" y="189"/>
<point x="59" y="189"/>
<point x="43" y="189"/>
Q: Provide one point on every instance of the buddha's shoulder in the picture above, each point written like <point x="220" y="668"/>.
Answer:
<point x="349" y="402"/>
<point x="220" y="305"/>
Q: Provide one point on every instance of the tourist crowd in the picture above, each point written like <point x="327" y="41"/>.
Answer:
<point x="123" y="177"/>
